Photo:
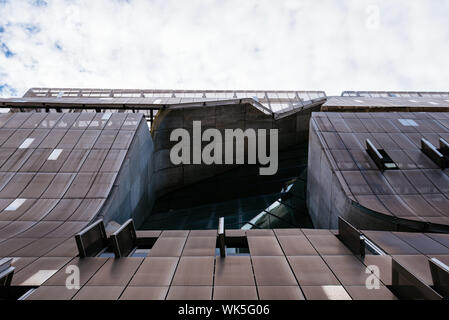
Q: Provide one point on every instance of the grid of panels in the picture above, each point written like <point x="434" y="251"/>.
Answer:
<point x="287" y="264"/>
<point x="376" y="94"/>
<point x="419" y="190"/>
<point x="276" y="101"/>
<point x="412" y="250"/>
<point x="56" y="172"/>
<point x="428" y="102"/>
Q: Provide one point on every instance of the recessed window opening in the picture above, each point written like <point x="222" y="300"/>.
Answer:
<point x="143" y="248"/>
<point x="438" y="155"/>
<point x="380" y="157"/>
<point x="235" y="246"/>
<point x="107" y="252"/>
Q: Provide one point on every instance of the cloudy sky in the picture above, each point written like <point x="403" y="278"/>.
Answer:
<point x="330" y="45"/>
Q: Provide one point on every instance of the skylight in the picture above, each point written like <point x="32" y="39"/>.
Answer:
<point x="26" y="143"/>
<point x="55" y="154"/>
<point x="106" y="116"/>
<point x="408" y="122"/>
<point x="16" y="204"/>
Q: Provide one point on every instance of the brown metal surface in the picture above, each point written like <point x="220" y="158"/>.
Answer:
<point x="115" y="272"/>
<point x="272" y="271"/>
<point x="155" y="272"/>
<point x="280" y="293"/>
<point x="418" y="190"/>
<point x="235" y="293"/>
<point x="312" y="271"/>
<point x="233" y="271"/>
<point x="194" y="271"/>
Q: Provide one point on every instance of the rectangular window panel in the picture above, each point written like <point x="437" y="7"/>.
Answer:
<point x="26" y="143"/>
<point x="55" y="154"/>
<point x="15" y="205"/>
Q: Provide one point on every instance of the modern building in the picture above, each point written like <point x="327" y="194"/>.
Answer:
<point x="91" y="205"/>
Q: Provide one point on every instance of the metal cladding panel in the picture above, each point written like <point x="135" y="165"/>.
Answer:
<point x="87" y="266"/>
<point x="200" y="246"/>
<point x="234" y="271"/>
<point x="194" y="271"/>
<point x="334" y="292"/>
<point x="144" y="293"/>
<point x="312" y="271"/>
<point x="390" y="243"/>
<point x="280" y="293"/>
<point x="235" y="293"/>
<point x="424" y="244"/>
<point x="296" y="246"/>
<point x="328" y="245"/>
<point x="52" y="293"/>
<point x="115" y="272"/>
<point x="168" y="247"/>
<point x="362" y="293"/>
<point x="189" y="293"/>
<point x="264" y="246"/>
<point x="272" y="271"/>
<point x="348" y="269"/>
<point x="155" y="272"/>
<point x="99" y="293"/>
<point x="39" y="271"/>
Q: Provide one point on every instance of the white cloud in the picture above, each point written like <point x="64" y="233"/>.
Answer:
<point x="330" y="45"/>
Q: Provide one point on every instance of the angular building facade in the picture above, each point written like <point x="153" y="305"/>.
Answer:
<point x="83" y="173"/>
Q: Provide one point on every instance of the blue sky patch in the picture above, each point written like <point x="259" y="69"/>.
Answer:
<point x="58" y="46"/>
<point x="32" y="29"/>
<point x="7" y="89"/>
<point x="5" y="50"/>
<point x="40" y="3"/>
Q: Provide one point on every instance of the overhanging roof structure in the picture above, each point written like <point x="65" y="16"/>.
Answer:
<point x="403" y="94"/>
<point x="386" y="104"/>
<point x="148" y="101"/>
